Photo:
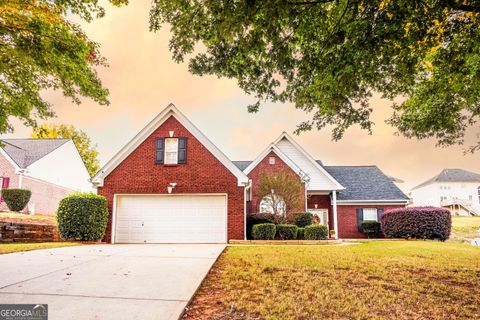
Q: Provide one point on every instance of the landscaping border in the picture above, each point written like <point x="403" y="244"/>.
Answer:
<point x="285" y="242"/>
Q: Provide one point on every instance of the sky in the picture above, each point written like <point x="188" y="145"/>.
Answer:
<point x="143" y="79"/>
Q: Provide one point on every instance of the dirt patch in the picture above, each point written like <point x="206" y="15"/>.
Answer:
<point x="209" y="299"/>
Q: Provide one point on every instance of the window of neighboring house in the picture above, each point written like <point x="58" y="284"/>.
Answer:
<point x="4" y="182"/>
<point x="370" y="214"/>
<point x="443" y="198"/>
<point x="470" y="197"/>
<point x="269" y="203"/>
<point x="271" y="160"/>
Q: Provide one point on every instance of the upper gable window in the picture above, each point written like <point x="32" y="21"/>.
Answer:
<point x="271" y="160"/>
<point x="171" y="150"/>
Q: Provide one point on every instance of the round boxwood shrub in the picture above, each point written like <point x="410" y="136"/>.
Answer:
<point x="303" y="219"/>
<point x="417" y="222"/>
<point x="301" y="234"/>
<point x="264" y="231"/>
<point x="287" y="231"/>
<point x="82" y="216"/>
<point x="316" y="232"/>
<point x="16" y="199"/>
<point x="256" y="218"/>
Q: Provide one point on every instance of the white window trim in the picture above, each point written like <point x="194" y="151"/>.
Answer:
<point x="173" y="150"/>
<point x="370" y="209"/>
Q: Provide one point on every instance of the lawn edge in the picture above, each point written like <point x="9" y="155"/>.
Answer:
<point x="182" y="314"/>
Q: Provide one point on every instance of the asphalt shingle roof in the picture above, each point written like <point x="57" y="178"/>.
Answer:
<point x="360" y="182"/>
<point x="242" y="165"/>
<point x="27" y="151"/>
<point x="452" y="175"/>
<point x="365" y="183"/>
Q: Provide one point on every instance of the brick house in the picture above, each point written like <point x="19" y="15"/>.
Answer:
<point x="171" y="184"/>
<point x="49" y="168"/>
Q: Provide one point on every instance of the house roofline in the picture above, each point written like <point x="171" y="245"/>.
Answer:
<point x="139" y="138"/>
<point x="338" y="186"/>
<point x="273" y="148"/>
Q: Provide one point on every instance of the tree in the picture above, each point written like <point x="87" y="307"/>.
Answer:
<point x="329" y="56"/>
<point x="83" y="143"/>
<point x="282" y="192"/>
<point x="39" y="50"/>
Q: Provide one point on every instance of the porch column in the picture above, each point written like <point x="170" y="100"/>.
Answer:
<point x="335" y="219"/>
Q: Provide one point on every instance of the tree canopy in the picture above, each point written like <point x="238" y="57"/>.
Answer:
<point x="329" y="56"/>
<point x="39" y="50"/>
<point x="82" y="141"/>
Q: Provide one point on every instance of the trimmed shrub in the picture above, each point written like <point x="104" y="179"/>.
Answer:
<point x="82" y="216"/>
<point x="371" y="228"/>
<point x="302" y="219"/>
<point x="16" y="199"/>
<point x="257" y="218"/>
<point x="287" y="231"/>
<point x="301" y="234"/>
<point x="264" y="231"/>
<point x="417" y="222"/>
<point x="316" y="232"/>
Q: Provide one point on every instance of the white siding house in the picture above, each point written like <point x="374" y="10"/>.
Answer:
<point x="455" y="189"/>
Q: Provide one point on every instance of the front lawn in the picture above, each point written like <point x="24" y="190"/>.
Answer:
<point x="465" y="228"/>
<point x="373" y="280"/>
<point x="17" y="247"/>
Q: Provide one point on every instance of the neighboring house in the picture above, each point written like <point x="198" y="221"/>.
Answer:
<point x="455" y="189"/>
<point x="171" y="184"/>
<point x="50" y="168"/>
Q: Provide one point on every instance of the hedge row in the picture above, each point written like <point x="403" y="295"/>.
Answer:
<point x="417" y="222"/>
<point x="268" y="231"/>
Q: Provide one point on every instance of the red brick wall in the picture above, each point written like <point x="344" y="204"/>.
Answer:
<point x="264" y="167"/>
<point x="203" y="173"/>
<point x="347" y="219"/>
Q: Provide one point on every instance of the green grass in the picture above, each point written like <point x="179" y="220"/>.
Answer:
<point x="18" y="247"/>
<point x="373" y="280"/>
<point x="465" y="228"/>
<point x="36" y="218"/>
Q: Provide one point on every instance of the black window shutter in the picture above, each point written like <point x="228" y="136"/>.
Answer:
<point x="360" y="219"/>
<point x="182" y="150"/>
<point x="379" y="214"/>
<point x="159" y="150"/>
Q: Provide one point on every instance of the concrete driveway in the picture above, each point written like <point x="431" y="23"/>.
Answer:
<point x="107" y="281"/>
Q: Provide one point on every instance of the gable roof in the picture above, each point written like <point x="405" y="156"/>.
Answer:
<point x="320" y="179"/>
<point x="365" y="183"/>
<point x="452" y="175"/>
<point x="25" y="152"/>
<point x="273" y="148"/>
<point x="165" y="114"/>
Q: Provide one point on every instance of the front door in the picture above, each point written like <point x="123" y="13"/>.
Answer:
<point x="320" y="216"/>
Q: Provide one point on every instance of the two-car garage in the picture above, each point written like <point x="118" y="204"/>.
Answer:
<point x="167" y="218"/>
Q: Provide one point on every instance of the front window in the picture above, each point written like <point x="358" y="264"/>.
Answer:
<point x="171" y="150"/>
<point x="370" y="214"/>
<point x="273" y="204"/>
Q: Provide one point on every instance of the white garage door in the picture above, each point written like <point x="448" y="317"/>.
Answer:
<point x="171" y="219"/>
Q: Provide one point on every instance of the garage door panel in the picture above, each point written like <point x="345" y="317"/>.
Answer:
<point x="171" y="219"/>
